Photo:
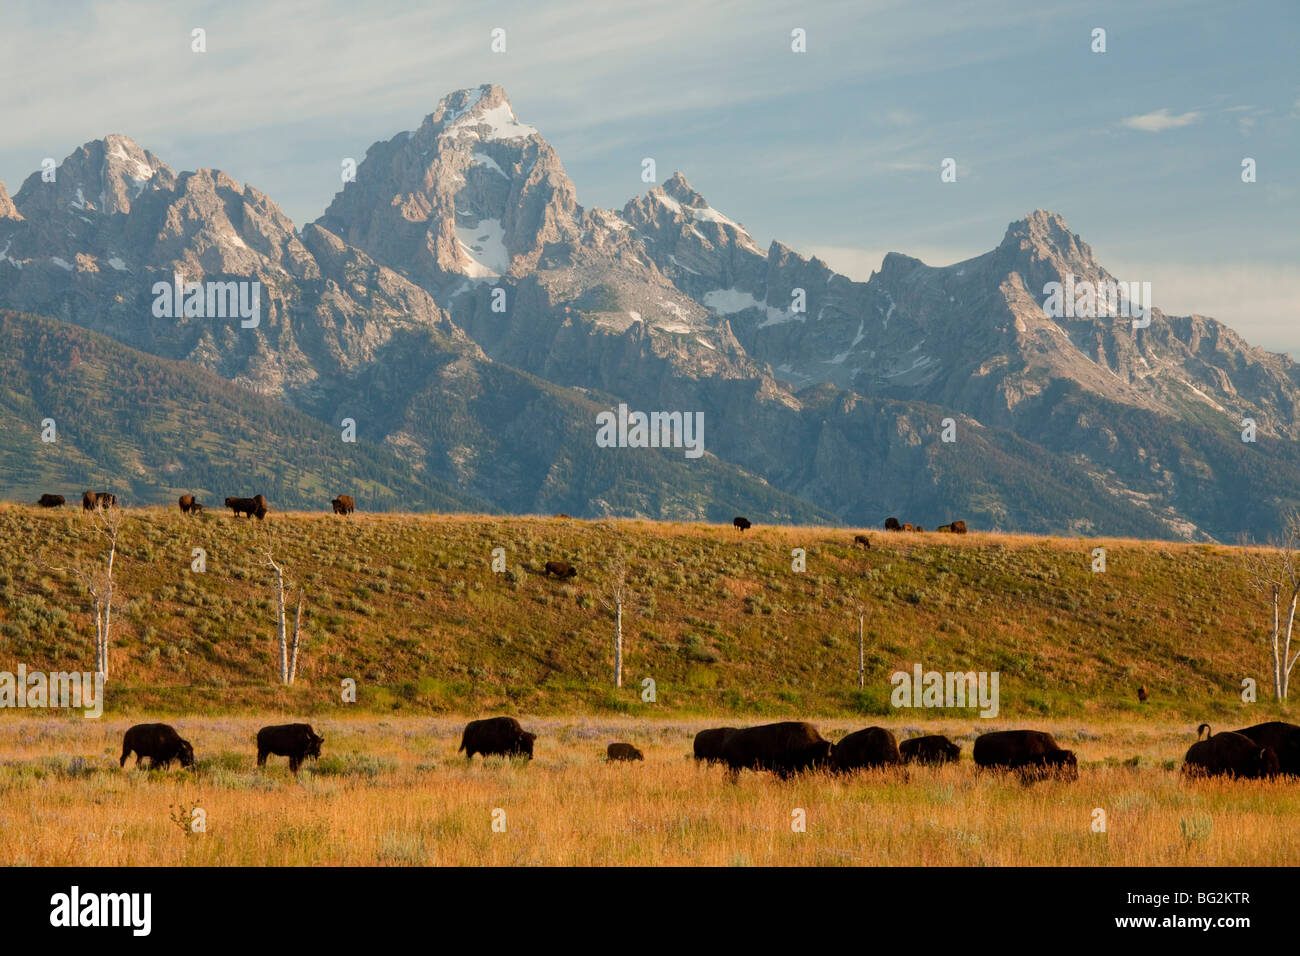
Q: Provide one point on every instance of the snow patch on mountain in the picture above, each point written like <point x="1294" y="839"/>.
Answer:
<point x="731" y="301"/>
<point x="484" y="245"/>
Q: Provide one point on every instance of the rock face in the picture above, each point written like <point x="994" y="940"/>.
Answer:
<point x="459" y="303"/>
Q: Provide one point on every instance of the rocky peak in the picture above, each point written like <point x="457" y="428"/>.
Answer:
<point x="483" y="113"/>
<point x="7" y="208"/>
<point x="1042" y="249"/>
<point x="104" y="176"/>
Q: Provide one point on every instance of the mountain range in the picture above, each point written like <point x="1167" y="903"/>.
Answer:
<point x="459" y="306"/>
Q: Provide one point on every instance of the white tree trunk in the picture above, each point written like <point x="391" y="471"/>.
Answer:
<point x="618" y="639"/>
<point x="862" y="671"/>
<point x="280" y="624"/>
<point x="297" y="634"/>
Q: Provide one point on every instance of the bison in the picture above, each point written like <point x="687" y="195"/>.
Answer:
<point x="561" y="569"/>
<point x="159" y="742"/>
<point x="343" y="505"/>
<point x="248" y="506"/>
<point x="709" y="743"/>
<point x="189" y="505"/>
<point x="862" y="749"/>
<point x="91" y="500"/>
<point x="1142" y="693"/>
<point x="1032" y="752"/>
<point x="1283" y="738"/>
<point x="496" y="735"/>
<point x="935" y="748"/>
<point x="1229" y="755"/>
<point x="785" y="748"/>
<point x="741" y="524"/>
<point x="958" y="527"/>
<point x="196" y="508"/>
<point x="295" y="741"/>
<point x="862" y="539"/>
<point x="891" y="524"/>
<point x="623" y="752"/>
<point x="909" y="527"/>
<point x="51" y="501"/>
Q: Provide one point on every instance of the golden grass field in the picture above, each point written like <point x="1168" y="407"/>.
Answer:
<point x="393" y="791"/>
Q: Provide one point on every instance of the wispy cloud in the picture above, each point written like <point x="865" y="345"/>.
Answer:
<point x="1160" y="120"/>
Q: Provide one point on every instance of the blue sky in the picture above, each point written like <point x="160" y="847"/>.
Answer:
<point x="835" y="151"/>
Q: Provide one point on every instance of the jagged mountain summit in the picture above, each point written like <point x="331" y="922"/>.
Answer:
<point x="459" y="302"/>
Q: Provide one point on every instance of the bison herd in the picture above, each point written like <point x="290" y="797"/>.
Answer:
<point x="795" y="746"/>
<point x="255" y="507"/>
<point x="954" y="527"/>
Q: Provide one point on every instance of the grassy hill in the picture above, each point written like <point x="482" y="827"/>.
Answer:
<point x="410" y="608"/>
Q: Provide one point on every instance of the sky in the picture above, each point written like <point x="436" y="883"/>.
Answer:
<point x="835" y="151"/>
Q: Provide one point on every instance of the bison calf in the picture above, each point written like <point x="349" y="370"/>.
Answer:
<point x="862" y="539"/>
<point x="295" y="741"/>
<point x="561" y="569"/>
<point x="189" y="504"/>
<point x="159" y="742"/>
<point x="935" y="748"/>
<point x="496" y="735"/>
<point x="622" y="752"/>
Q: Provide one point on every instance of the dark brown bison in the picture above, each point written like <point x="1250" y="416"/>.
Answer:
<point x="561" y="569"/>
<point x="785" y="748"/>
<point x="196" y="508"/>
<point x="1284" y="738"/>
<point x="741" y="524"/>
<point x="159" y="742"/>
<point x="496" y="735"/>
<point x="623" y="752"/>
<point x="862" y="749"/>
<point x="295" y="741"/>
<point x="919" y="528"/>
<point x="1229" y="755"/>
<point x="958" y="527"/>
<point x="709" y="743"/>
<point x="1142" y="693"/>
<point x="90" y="500"/>
<point x="891" y="524"/>
<point x="343" y="505"/>
<point x="862" y="539"/>
<point x="263" y="506"/>
<point x="186" y="503"/>
<point x="935" y="748"/>
<point x="909" y="527"/>
<point x="1033" y="752"/>
<point x="51" y="501"/>
<point x="248" y="506"/>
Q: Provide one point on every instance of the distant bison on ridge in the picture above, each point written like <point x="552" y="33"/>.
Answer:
<point x="295" y="741"/>
<point x="863" y="749"/>
<point x="1229" y="755"/>
<point x="90" y="500"/>
<point x="891" y="524"/>
<point x="159" y="742"/>
<point x="343" y="505"/>
<point x="709" y="743"/>
<point x="248" y="506"/>
<point x="741" y="523"/>
<point x="934" y="748"/>
<point x="51" y="501"/>
<point x="189" y="504"/>
<point x="862" y="539"/>
<point x="784" y="748"/>
<point x="623" y="752"/>
<point x="496" y="735"/>
<point x="561" y="569"/>
<point x="1033" y="752"/>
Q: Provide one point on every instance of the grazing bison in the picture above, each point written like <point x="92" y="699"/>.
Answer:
<point x="159" y="742"/>
<point x="623" y="752"/>
<point x="891" y="524"/>
<point x="1229" y="755"/>
<point x="561" y="569"/>
<point x="496" y="735"/>
<point x="741" y="523"/>
<point x="873" y="747"/>
<point x="51" y="501"/>
<point x="1033" y="752"/>
<point x="958" y="527"/>
<point x="343" y="505"/>
<point x="935" y="748"/>
<point x="90" y="500"/>
<point x="196" y="508"/>
<point x="248" y="506"/>
<point x="709" y="743"/>
<point x="862" y="539"/>
<point x="187" y="503"/>
<point x="785" y="748"/>
<point x="1284" y="738"/>
<point x="295" y="741"/>
<point x="1142" y="693"/>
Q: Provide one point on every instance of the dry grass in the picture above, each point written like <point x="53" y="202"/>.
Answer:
<point x="394" y="792"/>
